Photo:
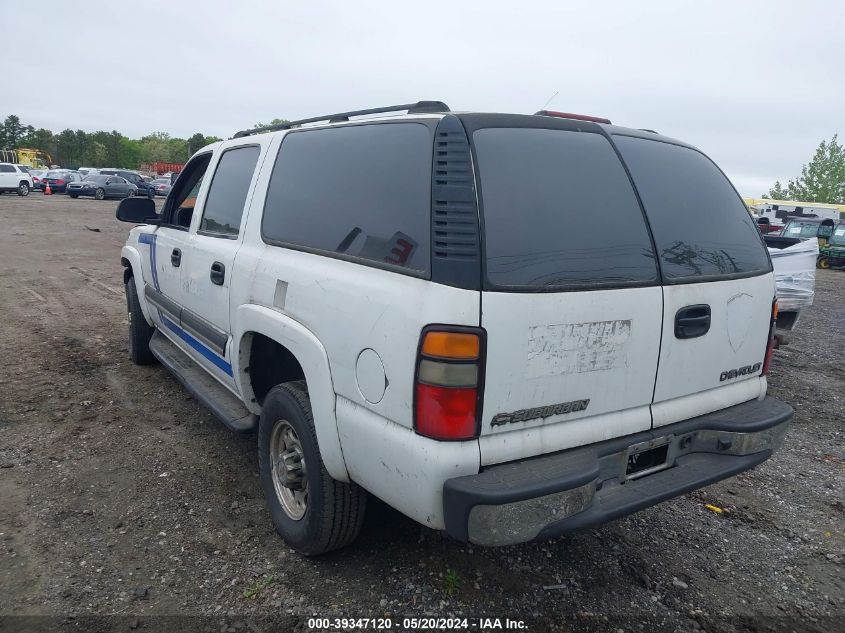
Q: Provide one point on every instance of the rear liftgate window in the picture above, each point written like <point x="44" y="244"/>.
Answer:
<point x="700" y="225"/>
<point x="559" y="212"/>
<point x="361" y="192"/>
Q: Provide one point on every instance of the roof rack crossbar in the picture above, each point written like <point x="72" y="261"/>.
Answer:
<point x="413" y="108"/>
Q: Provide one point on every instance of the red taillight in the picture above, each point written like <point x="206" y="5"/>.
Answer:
<point x="770" y="346"/>
<point x="60" y="182"/>
<point x="570" y="115"/>
<point x="448" y="382"/>
<point x="446" y="413"/>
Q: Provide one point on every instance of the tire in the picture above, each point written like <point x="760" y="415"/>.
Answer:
<point x="100" y="194"/>
<point x="23" y="189"/>
<point x="73" y="195"/>
<point x="334" y="511"/>
<point x="823" y="262"/>
<point x="151" y="195"/>
<point x="140" y="332"/>
<point x="131" y="193"/>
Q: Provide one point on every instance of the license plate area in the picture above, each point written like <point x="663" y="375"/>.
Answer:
<point x="647" y="457"/>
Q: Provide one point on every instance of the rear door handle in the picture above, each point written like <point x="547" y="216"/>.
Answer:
<point x="692" y="321"/>
<point x="176" y="257"/>
<point x="218" y="273"/>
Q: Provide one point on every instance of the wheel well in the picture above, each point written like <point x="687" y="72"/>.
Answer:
<point x="270" y="364"/>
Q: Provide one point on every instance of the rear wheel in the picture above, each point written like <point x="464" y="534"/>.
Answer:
<point x="140" y="332"/>
<point x="313" y="512"/>
<point x="131" y="193"/>
<point x="23" y="189"/>
<point x="823" y="262"/>
<point x="100" y="194"/>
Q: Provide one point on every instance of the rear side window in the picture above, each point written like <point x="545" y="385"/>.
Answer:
<point x="361" y="192"/>
<point x="700" y="225"/>
<point x="559" y="212"/>
<point x="7" y="168"/>
<point x="224" y="204"/>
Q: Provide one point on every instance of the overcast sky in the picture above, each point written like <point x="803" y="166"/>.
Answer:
<point x="756" y="85"/>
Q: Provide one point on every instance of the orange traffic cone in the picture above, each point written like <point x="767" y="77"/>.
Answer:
<point x="47" y="190"/>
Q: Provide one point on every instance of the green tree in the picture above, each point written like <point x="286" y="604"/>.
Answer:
<point x="12" y="132"/>
<point x="821" y="180"/>
<point x="273" y="122"/>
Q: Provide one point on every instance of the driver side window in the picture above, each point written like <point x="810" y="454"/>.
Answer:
<point x="179" y="208"/>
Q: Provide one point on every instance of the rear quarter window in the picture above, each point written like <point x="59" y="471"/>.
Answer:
<point x="559" y="212"/>
<point x="361" y="192"/>
<point x="700" y="225"/>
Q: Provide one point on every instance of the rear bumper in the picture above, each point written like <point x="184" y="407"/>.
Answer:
<point x="574" y="489"/>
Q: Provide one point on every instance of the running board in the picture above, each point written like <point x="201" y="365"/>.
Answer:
<point x="219" y="400"/>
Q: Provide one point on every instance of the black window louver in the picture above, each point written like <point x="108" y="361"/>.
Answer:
<point x="454" y="209"/>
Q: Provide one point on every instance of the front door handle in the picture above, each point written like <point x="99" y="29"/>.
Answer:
<point x="176" y="257"/>
<point x="692" y="321"/>
<point x="218" y="273"/>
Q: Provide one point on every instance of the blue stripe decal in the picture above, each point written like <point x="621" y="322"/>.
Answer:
<point x="150" y="238"/>
<point x="202" y="349"/>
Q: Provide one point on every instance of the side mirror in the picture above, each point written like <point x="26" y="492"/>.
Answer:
<point x="137" y="211"/>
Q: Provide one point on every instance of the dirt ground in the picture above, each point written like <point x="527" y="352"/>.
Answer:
<point x="125" y="506"/>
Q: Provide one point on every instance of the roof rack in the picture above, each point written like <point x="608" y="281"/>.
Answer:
<point x="570" y="115"/>
<point x="413" y="108"/>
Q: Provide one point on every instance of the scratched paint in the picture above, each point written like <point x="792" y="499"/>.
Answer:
<point x="576" y="348"/>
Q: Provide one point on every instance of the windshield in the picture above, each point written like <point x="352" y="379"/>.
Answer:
<point x="801" y="229"/>
<point x="54" y="174"/>
<point x="97" y="179"/>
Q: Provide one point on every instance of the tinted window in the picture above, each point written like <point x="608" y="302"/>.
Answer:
<point x="559" y="211"/>
<point x="360" y="191"/>
<point x="700" y="225"/>
<point x="97" y="179"/>
<point x="224" y="205"/>
<point x="6" y="168"/>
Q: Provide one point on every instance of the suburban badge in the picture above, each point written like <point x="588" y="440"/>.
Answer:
<point x="523" y="415"/>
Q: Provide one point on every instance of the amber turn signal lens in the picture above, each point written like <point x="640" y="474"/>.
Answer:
<point x="455" y="345"/>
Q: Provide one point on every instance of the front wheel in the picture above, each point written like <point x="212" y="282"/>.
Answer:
<point x="313" y="512"/>
<point x="100" y="194"/>
<point x="23" y="189"/>
<point x="140" y="332"/>
<point x="823" y="262"/>
<point x="73" y="195"/>
<point x="131" y="193"/>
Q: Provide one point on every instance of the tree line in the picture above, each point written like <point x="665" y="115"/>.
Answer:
<point x="77" y="148"/>
<point x="821" y="180"/>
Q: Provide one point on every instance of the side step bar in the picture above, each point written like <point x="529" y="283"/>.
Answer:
<point x="219" y="400"/>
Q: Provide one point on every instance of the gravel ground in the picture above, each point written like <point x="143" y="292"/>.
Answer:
<point x="125" y="505"/>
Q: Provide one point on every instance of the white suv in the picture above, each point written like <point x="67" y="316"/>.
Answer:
<point x="505" y="326"/>
<point x="14" y="178"/>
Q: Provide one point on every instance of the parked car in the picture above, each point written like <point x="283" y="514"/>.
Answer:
<point x="13" y="178"/>
<point x="36" y="174"/>
<point x="161" y="186"/>
<point x="424" y="308"/>
<point x="101" y="186"/>
<point x="87" y="171"/>
<point x="58" y="179"/>
<point x="144" y="188"/>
